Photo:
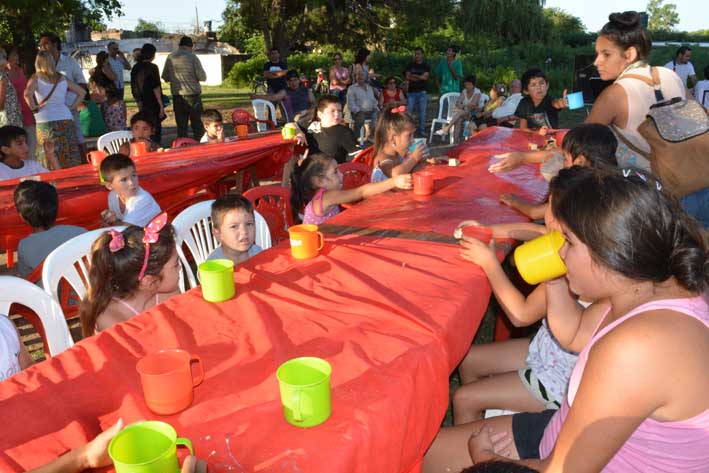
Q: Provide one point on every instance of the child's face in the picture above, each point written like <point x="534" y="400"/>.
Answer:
<point x="18" y="148"/>
<point x="469" y="86"/>
<point x="331" y="115"/>
<point x="537" y="88"/>
<point x="403" y="140"/>
<point x="214" y="129"/>
<point x="331" y="179"/>
<point x="124" y="183"/>
<point x="141" y="130"/>
<point x="170" y="275"/>
<point x="237" y="231"/>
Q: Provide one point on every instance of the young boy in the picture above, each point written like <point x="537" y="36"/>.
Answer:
<point x="537" y="112"/>
<point x="142" y="127"/>
<point x="234" y="226"/>
<point x="14" y="154"/>
<point x="37" y="203"/>
<point x="128" y="203"/>
<point x="213" y="126"/>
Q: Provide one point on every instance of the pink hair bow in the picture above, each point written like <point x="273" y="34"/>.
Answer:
<point x="117" y="242"/>
<point x="151" y="233"/>
<point x="399" y="109"/>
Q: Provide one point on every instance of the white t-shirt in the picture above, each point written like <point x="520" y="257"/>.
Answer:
<point x="682" y="70"/>
<point x="9" y="349"/>
<point x="140" y="209"/>
<point x="701" y="92"/>
<point x="508" y="107"/>
<point x="218" y="252"/>
<point x="29" y="168"/>
<point x="70" y="68"/>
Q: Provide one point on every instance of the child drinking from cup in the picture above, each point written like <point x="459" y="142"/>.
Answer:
<point x="317" y="181"/>
<point x="393" y="136"/>
<point x="142" y="127"/>
<point x="537" y="112"/>
<point x="128" y="203"/>
<point x="234" y="225"/>
<point x="590" y="145"/>
<point x="131" y="271"/>
<point x="213" y="126"/>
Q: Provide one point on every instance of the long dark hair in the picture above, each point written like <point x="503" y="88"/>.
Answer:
<point x="626" y="30"/>
<point x="389" y="121"/>
<point x="302" y="187"/>
<point x="633" y="228"/>
<point x="115" y="274"/>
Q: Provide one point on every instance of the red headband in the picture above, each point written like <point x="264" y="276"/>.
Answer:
<point x="151" y="233"/>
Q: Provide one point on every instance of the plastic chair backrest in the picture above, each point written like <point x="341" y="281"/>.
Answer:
<point x="273" y="202"/>
<point x="15" y="290"/>
<point x="111" y="142"/>
<point x="355" y="174"/>
<point x="70" y="261"/>
<point x="260" y="107"/>
<point x="184" y="141"/>
<point x="193" y="227"/>
<point x="447" y="102"/>
<point x="484" y="98"/>
<point x="366" y="156"/>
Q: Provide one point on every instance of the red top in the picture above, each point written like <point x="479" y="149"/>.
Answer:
<point x="19" y="82"/>
<point x="388" y="98"/>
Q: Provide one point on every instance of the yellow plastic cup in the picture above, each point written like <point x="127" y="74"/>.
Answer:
<point x="147" y="447"/>
<point x="288" y="132"/>
<point x="304" y="384"/>
<point x="538" y="260"/>
<point x="217" y="279"/>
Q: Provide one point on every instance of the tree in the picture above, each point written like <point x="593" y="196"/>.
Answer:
<point x="509" y="21"/>
<point x="145" y="26"/>
<point x="662" y="17"/>
<point x="563" y="23"/>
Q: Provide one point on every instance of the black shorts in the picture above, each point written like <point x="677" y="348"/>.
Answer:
<point x="528" y="430"/>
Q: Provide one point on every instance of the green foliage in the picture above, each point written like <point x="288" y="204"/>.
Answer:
<point x="144" y="25"/>
<point x="508" y="21"/>
<point x="662" y="17"/>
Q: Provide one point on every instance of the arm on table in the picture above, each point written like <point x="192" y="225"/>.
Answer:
<point x="514" y="159"/>
<point x="414" y="162"/>
<point x="530" y="209"/>
<point x="336" y="197"/>
<point x="522" y="231"/>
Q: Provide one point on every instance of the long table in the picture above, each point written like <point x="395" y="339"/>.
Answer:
<point x="172" y="177"/>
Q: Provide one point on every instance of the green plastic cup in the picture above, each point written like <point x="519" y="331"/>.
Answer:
<point x="147" y="447"/>
<point x="305" y="391"/>
<point x="217" y="279"/>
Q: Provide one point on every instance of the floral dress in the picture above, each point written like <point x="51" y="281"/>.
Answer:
<point x="11" y="114"/>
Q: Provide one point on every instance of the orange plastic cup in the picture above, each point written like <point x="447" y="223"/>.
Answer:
<point x="95" y="158"/>
<point x="484" y="234"/>
<point x="305" y="241"/>
<point x="168" y="384"/>
<point x="138" y="148"/>
<point x="242" y="131"/>
<point x="423" y="183"/>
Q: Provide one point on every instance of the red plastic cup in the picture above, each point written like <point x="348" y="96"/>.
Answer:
<point x="95" y="158"/>
<point x="138" y="148"/>
<point x="484" y="234"/>
<point x="168" y="384"/>
<point x="242" y="131"/>
<point x="423" y="183"/>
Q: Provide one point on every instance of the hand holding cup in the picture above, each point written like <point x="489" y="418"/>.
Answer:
<point x="403" y="181"/>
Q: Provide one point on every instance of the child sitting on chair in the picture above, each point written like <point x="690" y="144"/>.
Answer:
<point x="234" y="225"/>
<point x="213" y="126"/>
<point x="142" y="127"/>
<point x="537" y="112"/>
<point x="128" y="203"/>
<point x="37" y="203"/>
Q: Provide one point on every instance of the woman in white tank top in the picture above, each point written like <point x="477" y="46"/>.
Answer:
<point x="46" y="95"/>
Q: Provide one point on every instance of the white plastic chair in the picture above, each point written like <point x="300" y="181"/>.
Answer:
<point x="70" y="261"/>
<point x="484" y="98"/>
<point x="261" y="108"/>
<point x="446" y="102"/>
<point x="21" y="291"/>
<point x="193" y="227"/>
<point x="113" y="140"/>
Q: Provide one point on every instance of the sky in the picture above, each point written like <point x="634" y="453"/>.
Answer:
<point x="693" y="14"/>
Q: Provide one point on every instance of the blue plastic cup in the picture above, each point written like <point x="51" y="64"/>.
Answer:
<point x="575" y="100"/>
<point x="415" y="144"/>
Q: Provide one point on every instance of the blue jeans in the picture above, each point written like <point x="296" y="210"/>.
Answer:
<point x="697" y="206"/>
<point x="418" y="102"/>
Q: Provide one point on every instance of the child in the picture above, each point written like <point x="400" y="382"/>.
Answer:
<point x="130" y="270"/>
<point x="318" y="181"/>
<point x="14" y="356"/>
<point x="213" y="126"/>
<point x="37" y="203"/>
<point x="14" y="154"/>
<point x="467" y="103"/>
<point x="392" y="137"/>
<point x="128" y="203"/>
<point x="234" y="226"/>
<point x="142" y="127"/>
<point x="537" y="112"/>
<point x="590" y="145"/>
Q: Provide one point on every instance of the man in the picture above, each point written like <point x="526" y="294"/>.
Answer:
<point x="701" y="91"/>
<point x="69" y="68"/>
<point x="683" y="67"/>
<point x="417" y="75"/>
<point x="136" y="55"/>
<point x="183" y="70"/>
<point x="296" y="98"/>
<point x="504" y="114"/>
<point x="147" y="91"/>
<point x="118" y="62"/>
<point x="274" y="71"/>
<point x="363" y="105"/>
<point x="449" y="72"/>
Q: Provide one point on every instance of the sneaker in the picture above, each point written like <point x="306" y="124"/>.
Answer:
<point x="440" y="132"/>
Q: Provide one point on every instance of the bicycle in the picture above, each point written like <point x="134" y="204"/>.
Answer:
<point x="260" y="85"/>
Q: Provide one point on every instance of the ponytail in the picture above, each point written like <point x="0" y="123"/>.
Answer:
<point x="392" y="119"/>
<point x="302" y="187"/>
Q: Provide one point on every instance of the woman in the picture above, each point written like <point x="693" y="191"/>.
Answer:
<point x="636" y="400"/>
<point x="19" y="81"/>
<point x="339" y="79"/>
<point x="46" y="96"/>
<point x="9" y="104"/>
<point x="483" y="119"/>
<point x="324" y="131"/>
<point x="102" y="87"/>
<point x="391" y="93"/>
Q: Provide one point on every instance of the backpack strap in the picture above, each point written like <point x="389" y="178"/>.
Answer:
<point x="654" y="82"/>
<point x="628" y="143"/>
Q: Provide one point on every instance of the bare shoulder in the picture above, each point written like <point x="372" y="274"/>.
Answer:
<point x="112" y="315"/>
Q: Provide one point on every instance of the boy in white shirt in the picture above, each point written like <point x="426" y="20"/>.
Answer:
<point x="128" y="203"/>
<point x="14" y="154"/>
<point x="213" y="126"/>
<point x="234" y="225"/>
<point x="701" y="90"/>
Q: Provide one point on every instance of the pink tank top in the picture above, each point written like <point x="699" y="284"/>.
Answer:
<point x="313" y="211"/>
<point x="654" y="446"/>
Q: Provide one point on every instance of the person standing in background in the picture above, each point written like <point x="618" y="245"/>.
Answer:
<point x="274" y="71"/>
<point x="118" y="62"/>
<point x="684" y="68"/>
<point x="147" y="91"/>
<point x="449" y="72"/>
<point x="19" y="81"/>
<point x="417" y="99"/>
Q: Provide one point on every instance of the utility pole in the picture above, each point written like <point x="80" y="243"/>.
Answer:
<point x="196" y="26"/>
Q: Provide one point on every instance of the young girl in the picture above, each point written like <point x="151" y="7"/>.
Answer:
<point x="318" y="181"/>
<point x="468" y="102"/>
<point x="637" y="396"/>
<point x="131" y="271"/>
<point x="393" y="136"/>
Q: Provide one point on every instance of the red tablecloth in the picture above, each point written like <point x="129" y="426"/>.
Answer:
<point x="393" y="317"/>
<point x="171" y="177"/>
<point x="466" y="192"/>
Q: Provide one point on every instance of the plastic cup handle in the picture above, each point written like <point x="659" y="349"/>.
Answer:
<point x="186" y="443"/>
<point x="321" y="237"/>
<point x="297" y="414"/>
<point x="200" y="368"/>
